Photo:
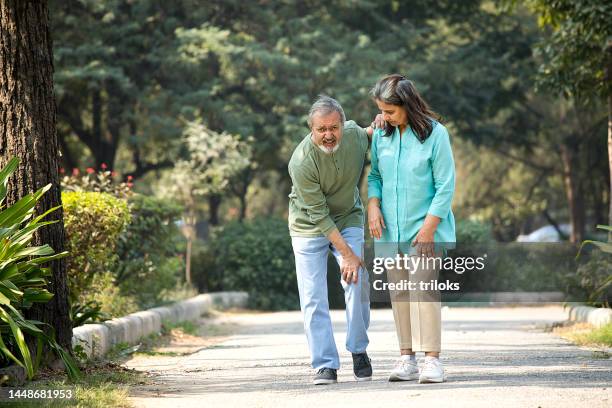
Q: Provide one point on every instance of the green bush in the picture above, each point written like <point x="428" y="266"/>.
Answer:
<point x="473" y="232"/>
<point x="94" y="222"/>
<point x="592" y="281"/>
<point x="150" y="252"/>
<point x="256" y="257"/>
<point x="23" y="280"/>
<point x="203" y="272"/>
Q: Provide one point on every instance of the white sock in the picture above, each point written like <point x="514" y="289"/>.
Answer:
<point x="411" y="357"/>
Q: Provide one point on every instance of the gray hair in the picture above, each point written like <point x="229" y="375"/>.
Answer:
<point x="324" y="105"/>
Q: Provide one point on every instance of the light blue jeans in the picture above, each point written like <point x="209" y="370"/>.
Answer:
<point x="311" y="268"/>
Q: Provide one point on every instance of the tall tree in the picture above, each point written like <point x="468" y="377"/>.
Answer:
<point x="27" y="131"/>
<point x="577" y="56"/>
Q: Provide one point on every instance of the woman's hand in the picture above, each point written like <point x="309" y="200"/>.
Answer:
<point x="377" y="123"/>
<point x="424" y="240"/>
<point x="376" y="222"/>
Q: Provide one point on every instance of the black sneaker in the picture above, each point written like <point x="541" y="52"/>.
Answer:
<point x="362" y="367"/>
<point x="325" y="376"/>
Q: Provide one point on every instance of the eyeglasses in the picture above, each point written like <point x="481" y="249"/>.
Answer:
<point x="324" y="129"/>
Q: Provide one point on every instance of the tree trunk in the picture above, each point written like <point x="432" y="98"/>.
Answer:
<point x="190" y="234"/>
<point x="573" y="192"/>
<point x="214" y="202"/>
<point x="27" y="130"/>
<point x="610" y="157"/>
<point x="242" y="190"/>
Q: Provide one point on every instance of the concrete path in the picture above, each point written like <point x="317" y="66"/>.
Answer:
<point x="495" y="357"/>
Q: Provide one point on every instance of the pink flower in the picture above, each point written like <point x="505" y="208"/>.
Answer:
<point x="130" y="178"/>
<point x="90" y="170"/>
<point x="61" y="170"/>
<point x="113" y="173"/>
<point x="103" y="166"/>
<point x="130" y="185"/>
<point x="75" y="172"/>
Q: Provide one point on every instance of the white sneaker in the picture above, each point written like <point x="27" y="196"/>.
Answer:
<point x="405" y="370"/>
<point x="432" y="371"/>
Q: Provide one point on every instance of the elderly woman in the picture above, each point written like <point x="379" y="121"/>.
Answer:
<point x="410" y="189"/>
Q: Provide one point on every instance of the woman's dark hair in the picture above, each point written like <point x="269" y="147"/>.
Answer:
<point x="396" y="90"/>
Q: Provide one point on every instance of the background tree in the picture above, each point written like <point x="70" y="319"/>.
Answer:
<point x="214" y="160"/>
<point x="577" y="58"/>
<point x="128" y="71"/>
<point x="27" y="131"/>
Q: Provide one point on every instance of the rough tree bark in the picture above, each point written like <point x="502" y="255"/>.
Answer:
<point x="610" y="158"/>
<point x="27" y="130"/>
<point x="609" y="79"/>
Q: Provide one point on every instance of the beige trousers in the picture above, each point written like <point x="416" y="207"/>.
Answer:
<point x="417" y="312"/>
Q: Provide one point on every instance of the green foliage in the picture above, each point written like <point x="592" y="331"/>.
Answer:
<point x="256" y="257"/>
<point x="148" y="250"/>
<point x="90" y="312"/>
<point x="23" y="280"/>
<point x="515" y="267"/>
<point x="593" y="277"/>
<point x="592" y="280"/>
<point x="132" y="77"/>
<point x="101" y="181"/>
<point x="104" y="291"/>
<point x="94" y="222"/>
<point x="473" y="232"/>
<point x="578" y="50"/>
<point x="603" y="246"/>
<point x="205" y="277"/>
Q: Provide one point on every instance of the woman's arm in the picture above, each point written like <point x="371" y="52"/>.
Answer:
<point x="443" y="168"/>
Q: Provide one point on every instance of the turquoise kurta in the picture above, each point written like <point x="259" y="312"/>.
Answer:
<point x="412" y="179"/>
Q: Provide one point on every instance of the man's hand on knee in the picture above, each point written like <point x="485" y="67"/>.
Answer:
<point x="350" y="267"/>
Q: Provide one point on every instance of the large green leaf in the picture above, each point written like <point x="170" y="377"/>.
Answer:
<point x="8" y="272"/>
<point x="604" y="246"/>
<point x="22" y="279"/>
<point x="19" y="340"/>
<point x="18" y="212"/>
<point x="9" y="354"/>
<point x="10" y="167"/>
<point x="45" y="259"/>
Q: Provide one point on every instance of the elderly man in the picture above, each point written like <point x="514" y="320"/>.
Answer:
<point x="326" y="213"/>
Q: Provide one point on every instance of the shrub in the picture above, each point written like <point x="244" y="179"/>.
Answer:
<point x="149" y="250"/>
<point x="94" y="222"/>
<point x="592" y="280"/>
<point x="98" y="182"/>
<point x="473" y="232"/>
<point x="23" y="280"/>
<point x="256" y="257"/>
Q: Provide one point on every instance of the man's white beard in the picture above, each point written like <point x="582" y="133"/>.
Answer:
<point x="327" y="150"/>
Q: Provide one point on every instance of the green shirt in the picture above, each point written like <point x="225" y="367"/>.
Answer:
<point x="324" y="194"/>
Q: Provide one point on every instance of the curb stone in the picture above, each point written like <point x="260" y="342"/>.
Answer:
<point x="97" y="339"/>
<point x="597" y="316"/>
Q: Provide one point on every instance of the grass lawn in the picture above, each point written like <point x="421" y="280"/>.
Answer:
<point x="584" y="334"/>
<point x="102" y="385"/>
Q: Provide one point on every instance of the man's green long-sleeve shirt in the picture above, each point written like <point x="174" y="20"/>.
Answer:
<point x="325" y="194"/>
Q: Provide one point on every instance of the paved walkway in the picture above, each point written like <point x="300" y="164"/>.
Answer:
<point x="495" y="357"/>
